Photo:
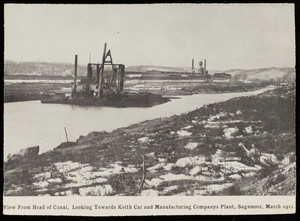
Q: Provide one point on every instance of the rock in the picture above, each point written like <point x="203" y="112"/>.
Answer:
<point x="18" y="191"/>
<point x="206" y="173"/>
<point x="130" y="170"/>
<point x="152" y="154"/>
<point x="218" y="156"/>
<point x="69" y="193"/>
<point x="184" y="162"/>
<point x="208" y="178"/>
<point x="96" y="190"/>
<point x="67" y="166"/>
<point x="190" y="161"/>
<point x="154" y="182"/>
<point x="289" y="158"/>
<point x="217" y="117"/>
<point x="99" y="180"/>
<point x="42" y="176"/>
<point x="29" y="152"/>
<point x="144" y="139"/>
<point x="86" y="169"/>
<point x="59" y="194"/>
<point x="239" y="112"/>
<point x="156" y="167"/>
<point x="235" y="176"/>
<point x="212" y="126"/>
<point x="183" y="133"/>
<point x="249" y="174"/>
<point x="172" y="177"/>
<point x="268" y="159"/>
<point x="54" y="180"/>
<point x="11" y="156"/>
<point x="195" y="170"/>
<point x="191" y="146"/>
<point x="249" y="130"/>
<point x="162" y="160"/>
<point x="229" y="132"/>
<point x="170" y="189"/>
<point x="149" y="192"/>
<point x="221" y="156"/>
<point x="235" y="167"/>
<point x="169" y="166"/>
<point x="214" y="188"/>
<point x="291" y="168"/>
<point x="41" y="184"/>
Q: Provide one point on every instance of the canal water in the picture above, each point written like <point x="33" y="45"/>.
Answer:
<point x="32" y="123"/>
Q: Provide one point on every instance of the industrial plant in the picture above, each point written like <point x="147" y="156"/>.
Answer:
<point x="102" y="88"/>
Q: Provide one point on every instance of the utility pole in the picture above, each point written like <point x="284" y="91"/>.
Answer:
<point x="66" y="135"/>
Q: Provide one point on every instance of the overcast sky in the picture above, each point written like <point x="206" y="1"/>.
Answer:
<point x="228" y="36"/>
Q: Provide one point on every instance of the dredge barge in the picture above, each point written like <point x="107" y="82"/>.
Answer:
<point x="102" y="87"/>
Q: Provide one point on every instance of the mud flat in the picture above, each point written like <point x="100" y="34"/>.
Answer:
<point x="197" y="153"/>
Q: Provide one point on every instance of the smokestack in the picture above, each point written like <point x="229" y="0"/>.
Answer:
<point x="193" y="65"/>
<point x="75" y="74"/>
<point x="205" y="64"/>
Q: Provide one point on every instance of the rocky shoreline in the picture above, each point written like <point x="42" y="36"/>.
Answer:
<point x="197" y="153"/>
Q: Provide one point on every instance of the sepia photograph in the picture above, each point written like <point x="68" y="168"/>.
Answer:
<point x="161" y="106"/>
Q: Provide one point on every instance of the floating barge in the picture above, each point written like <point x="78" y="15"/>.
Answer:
<point x="103" y="88"/>
<point x="114" y="100"/>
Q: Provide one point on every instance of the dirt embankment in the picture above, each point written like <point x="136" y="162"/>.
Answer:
<point x="197" y="153"/>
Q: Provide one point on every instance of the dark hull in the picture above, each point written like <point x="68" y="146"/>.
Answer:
<point x="139" y="100"/>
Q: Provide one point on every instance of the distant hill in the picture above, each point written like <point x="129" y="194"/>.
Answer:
<point x="272" y="73"/>
<point x="41" y="68"/>
<point x="65" y="69"/>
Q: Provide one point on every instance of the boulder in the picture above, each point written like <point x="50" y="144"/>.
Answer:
<point x="155" y="182"/>
<point x="11" y="156"/>
<point x="230" y="132"/>
<point x="191" y="161"/>
<point x="191" y="146"/>
<point x="29" y="152"/>
<point x="268" y="159"/>
<point x="195" y="170"/>
<point x="183" y="133"/>
<point x="144" y="139"/>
